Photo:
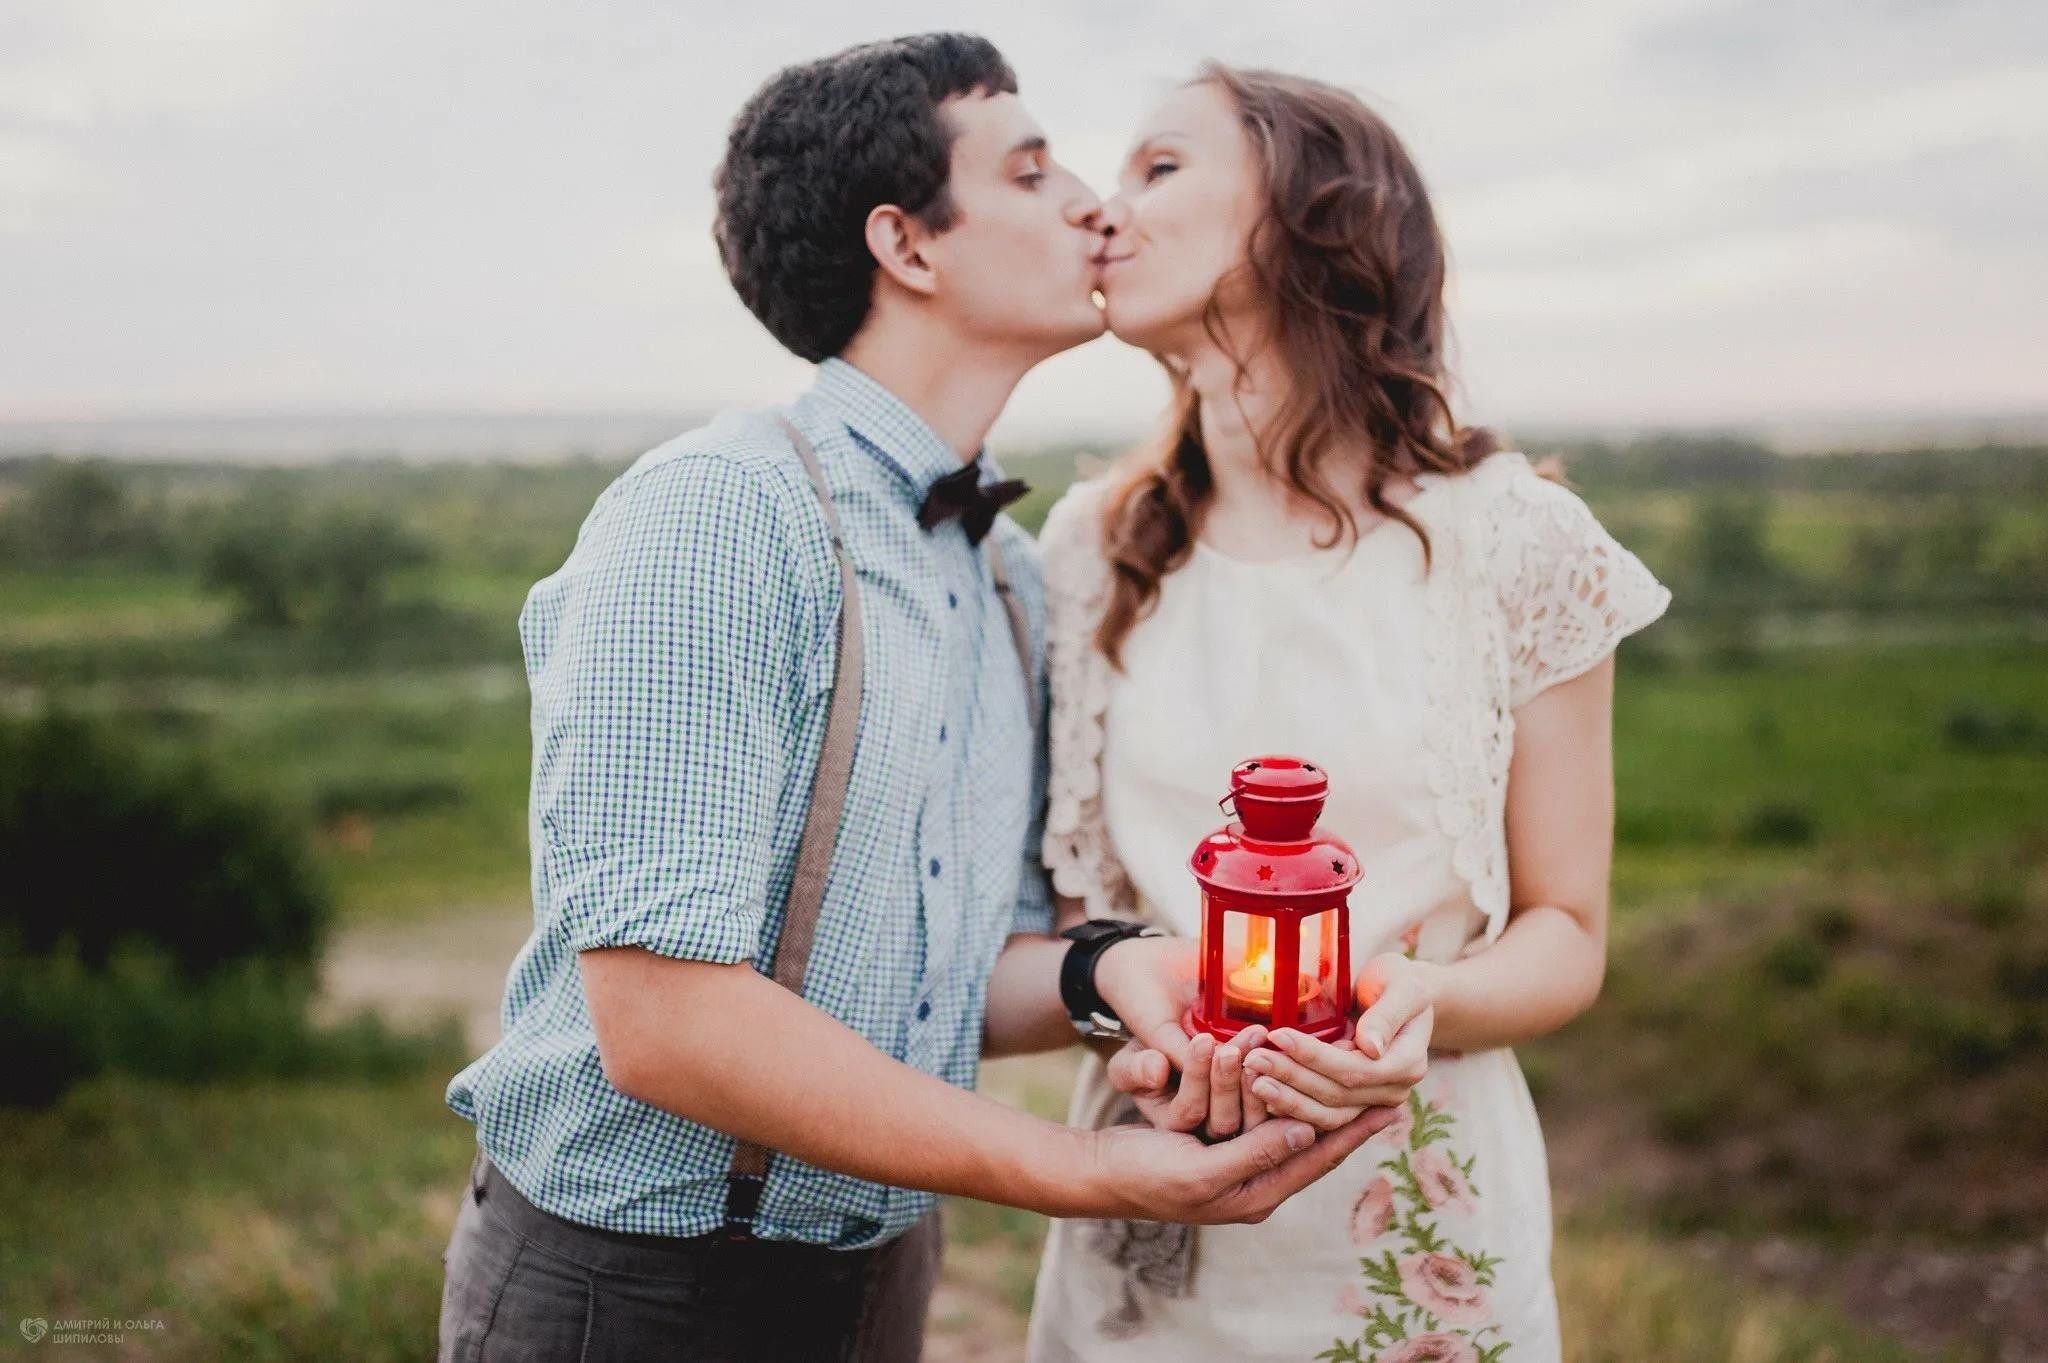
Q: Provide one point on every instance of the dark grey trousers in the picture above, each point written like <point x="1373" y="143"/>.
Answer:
<point x="524" y="1284"/>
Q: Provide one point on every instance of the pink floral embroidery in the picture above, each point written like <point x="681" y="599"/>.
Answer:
<point x="1444" y="1186"/>
<point x="1434" y="1347"/>
<point x="1426" y="1299"/>
<point x="1445" y="1286"/>
<point x="1395" y="1136"/>
<point x="1373" y="1212"/>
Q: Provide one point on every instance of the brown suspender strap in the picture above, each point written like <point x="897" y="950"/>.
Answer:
<point x="828" y="800"/>
<point x="821" y="821"/>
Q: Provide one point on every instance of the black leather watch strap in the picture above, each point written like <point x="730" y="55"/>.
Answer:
<point x="1086" y="1009"/>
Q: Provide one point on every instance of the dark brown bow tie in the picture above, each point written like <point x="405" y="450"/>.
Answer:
<point x="962" y="494"/>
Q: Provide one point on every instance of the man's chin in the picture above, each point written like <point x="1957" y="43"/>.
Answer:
<point x="1085" y="327"/>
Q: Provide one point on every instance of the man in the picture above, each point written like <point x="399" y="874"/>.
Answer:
<point x="893" y="213"/>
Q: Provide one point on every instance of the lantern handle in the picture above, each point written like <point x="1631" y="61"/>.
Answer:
<point x="1227" y="807"/>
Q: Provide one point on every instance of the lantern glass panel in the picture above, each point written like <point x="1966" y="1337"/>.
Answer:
<point x="1250" y="952"/>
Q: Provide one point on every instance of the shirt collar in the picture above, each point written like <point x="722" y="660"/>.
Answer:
<point x="886" y="428"/>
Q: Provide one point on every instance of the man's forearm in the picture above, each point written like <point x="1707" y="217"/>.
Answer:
<point x="724" y="1046"/>
<point x="1025" y="1013"/>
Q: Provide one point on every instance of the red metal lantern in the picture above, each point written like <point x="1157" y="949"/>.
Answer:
<point x="1274" y="889"/>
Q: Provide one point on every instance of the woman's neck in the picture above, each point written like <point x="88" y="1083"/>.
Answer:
<point x="1253" y="511"/>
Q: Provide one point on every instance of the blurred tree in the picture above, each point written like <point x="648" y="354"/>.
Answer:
<point x="252" y="555"/>
<point x="103" y="848"/>
<point x="1734" y="578"/>
<point x="1730" y="546"/>
<point x="76" y="510"/>
<point x="284" y="569"/>
<point x="347" y="556"/>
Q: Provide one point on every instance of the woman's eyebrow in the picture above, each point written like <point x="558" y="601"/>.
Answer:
<point x="1145" y="144"/>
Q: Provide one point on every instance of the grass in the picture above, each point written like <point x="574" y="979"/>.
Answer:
<point x="307" y="1221"/>
<point x="1828" y="879"/>
<point x="1716" y="772"/>
<point x="1860" y="1055"/>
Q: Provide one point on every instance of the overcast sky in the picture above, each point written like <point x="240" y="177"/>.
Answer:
<point x="1658" y="210"/>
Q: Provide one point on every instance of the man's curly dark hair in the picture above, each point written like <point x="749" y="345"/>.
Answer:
<point x="815" y="151"/>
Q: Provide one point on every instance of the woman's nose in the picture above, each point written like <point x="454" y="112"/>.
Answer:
<point x="1111" y="215"/>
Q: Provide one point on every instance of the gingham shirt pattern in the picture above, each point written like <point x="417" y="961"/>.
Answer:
<point x="681" y="662"/>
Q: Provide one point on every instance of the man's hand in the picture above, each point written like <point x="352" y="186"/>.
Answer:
<point x="1149" y="982"/>
<point x="1164" y="1176"/>
<point x="1210" y="1096"/>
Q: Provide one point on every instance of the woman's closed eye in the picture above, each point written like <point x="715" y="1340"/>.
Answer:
<point x="1159" y="168"/>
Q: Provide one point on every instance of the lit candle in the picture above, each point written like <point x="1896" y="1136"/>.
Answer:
<point x="1250" y="986"/>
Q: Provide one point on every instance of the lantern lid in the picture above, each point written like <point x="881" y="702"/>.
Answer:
<point x="1274" y="848"/>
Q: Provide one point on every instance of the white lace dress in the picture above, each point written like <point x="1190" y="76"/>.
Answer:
<point x="1433" y="1242"/>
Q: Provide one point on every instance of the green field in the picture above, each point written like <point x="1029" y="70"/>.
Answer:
<point x="1831" y="890"/>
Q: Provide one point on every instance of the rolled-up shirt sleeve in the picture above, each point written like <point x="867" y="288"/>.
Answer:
<point x="666" y="660"/>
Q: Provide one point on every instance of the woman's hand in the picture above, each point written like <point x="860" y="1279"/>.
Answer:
<point x="1328" y="1083"/>
<point x="1210" y="1096"/>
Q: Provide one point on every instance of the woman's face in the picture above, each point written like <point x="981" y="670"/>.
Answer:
<point x="1187" y="199"/>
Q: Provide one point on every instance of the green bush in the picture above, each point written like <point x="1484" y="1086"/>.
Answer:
<point x="1780" y="825"/>
<point x="105" y="848"/>
<point x="140" y="1015"/>
<point x="1795" y="960"/>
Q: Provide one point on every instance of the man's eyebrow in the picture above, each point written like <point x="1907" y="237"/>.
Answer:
<point x="1035" y="142"/>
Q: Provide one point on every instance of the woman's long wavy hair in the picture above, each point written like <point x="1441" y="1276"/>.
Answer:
<point x="1348" y="261"/>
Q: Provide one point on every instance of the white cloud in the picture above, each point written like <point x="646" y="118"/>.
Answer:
<point x="1656" y="208"/>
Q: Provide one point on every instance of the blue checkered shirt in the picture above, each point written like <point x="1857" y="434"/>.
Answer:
<point x="681" y="661"/>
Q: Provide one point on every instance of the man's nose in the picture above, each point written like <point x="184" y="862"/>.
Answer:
<point x="1083" y="210"/>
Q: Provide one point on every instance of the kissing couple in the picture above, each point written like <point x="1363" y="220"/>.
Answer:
<point x="841" y="782"/>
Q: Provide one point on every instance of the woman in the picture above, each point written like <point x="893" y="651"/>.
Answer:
<point x="1317" y="559"/>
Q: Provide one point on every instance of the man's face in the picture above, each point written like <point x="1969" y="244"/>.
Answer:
<point x="1015" y="268"/>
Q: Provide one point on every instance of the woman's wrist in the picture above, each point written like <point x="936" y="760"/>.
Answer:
<point x="1431" y="977"/>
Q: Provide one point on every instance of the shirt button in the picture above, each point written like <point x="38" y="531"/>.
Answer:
<point x="952" y="602"/>
<point x="924" y="1010"/>
<point x="935" y="865"/>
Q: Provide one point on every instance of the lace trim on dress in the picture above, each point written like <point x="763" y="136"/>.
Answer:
<point x="1468" y="735"/>
<point x="1076" y="847"/>
<point x="1527" y="590"/>
<point x="1570" y="593"/>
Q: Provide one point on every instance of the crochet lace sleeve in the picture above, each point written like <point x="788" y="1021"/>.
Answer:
<point x="1571" y="592"/>
<point x="1077" y="847"/>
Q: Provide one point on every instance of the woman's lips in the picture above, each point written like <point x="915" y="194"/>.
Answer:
<point x="1103" y="266"/>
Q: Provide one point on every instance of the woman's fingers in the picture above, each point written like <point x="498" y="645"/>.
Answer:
<point x="1341" y="1065"/>
<point x="1297" y="1076"/>
<point x="1337" y="1075"/>
<point x="1286" y="1102"/>
<point x="1250" y="1040"/>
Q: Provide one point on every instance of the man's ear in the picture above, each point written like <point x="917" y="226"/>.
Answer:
<point x="896" y="240"/>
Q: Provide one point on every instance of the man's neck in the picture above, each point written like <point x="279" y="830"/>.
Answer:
<point x="958" y="392"/>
